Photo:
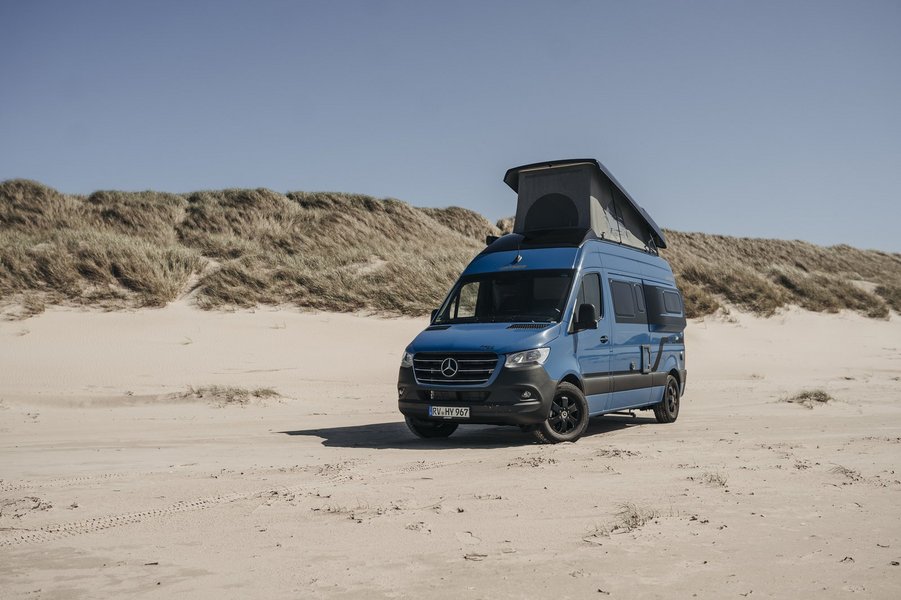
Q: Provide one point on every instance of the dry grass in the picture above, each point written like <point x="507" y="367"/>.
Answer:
<point x="715" y="478"/>
<point x="236" y="248"/>
<point x="891" y="293"/>
<point x="332" y="251"/>
<point x="223" y="395"/>
<point x="629" y="517"/>
<point x="763" y="275"/>
<point x="846" y="472"/>
<point x="810" y="398"/>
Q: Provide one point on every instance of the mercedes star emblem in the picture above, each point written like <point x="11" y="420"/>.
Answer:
<point x="449" y="367"/>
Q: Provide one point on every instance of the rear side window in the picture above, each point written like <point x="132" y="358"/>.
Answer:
<point x="590" y="293"/>
<point x="672" y="303"/>
<point x="628" y="302"/>
<point x="665" y="309"/>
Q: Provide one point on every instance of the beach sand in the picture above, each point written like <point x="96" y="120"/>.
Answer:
<point x="115" y="482"/>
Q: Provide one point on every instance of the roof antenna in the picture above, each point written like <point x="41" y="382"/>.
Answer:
<point x="518" y="253"/>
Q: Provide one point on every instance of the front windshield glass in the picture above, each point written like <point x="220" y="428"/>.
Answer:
<point x="530" y="296"/>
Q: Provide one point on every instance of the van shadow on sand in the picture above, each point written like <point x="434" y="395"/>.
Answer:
<point x="396" y="435"/>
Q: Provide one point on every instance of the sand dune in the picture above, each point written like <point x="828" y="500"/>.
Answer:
<point x="116" y="483"/>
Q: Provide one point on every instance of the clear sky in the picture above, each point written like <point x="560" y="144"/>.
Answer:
<point x="760" y="118"/>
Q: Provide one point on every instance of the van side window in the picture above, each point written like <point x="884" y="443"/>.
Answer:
<point x="623" y="301"/>
<point x="639" y="297"/>
<point x="672" y="303"/>
<point x="665" y="309"/>
<point x="590" y="293"/>
<point x="628" y="302"/>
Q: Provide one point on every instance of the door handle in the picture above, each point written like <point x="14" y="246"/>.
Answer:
<point x="604" y="339"/>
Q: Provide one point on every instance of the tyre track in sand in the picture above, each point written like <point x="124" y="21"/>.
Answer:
<point x="14" y="486"/>
<point x="17" y="537"/>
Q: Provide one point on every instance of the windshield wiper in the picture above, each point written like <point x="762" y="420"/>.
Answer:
<point x="526" y="318"/>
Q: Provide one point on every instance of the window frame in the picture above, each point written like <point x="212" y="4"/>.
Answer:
<point x="639" y="302"/>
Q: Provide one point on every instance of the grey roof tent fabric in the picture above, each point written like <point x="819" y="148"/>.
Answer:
<point x="580" y="194"/>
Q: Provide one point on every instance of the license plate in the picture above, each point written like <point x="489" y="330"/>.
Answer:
<point x="449" y="412"/>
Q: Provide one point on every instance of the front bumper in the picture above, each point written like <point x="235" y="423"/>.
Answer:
<point x="500" y="403"/>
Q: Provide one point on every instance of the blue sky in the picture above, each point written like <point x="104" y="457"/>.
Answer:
<point x="764" y="119"/>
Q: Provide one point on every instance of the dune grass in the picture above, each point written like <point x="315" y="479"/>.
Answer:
<point x="810" y="398"/>
<point x="225" y="395"/>
<point x="343" y="252"/>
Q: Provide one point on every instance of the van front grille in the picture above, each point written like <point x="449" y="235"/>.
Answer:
<point x="454" y="368"/>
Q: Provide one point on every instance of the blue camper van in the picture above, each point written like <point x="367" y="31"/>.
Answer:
<point x="572" y="315"/>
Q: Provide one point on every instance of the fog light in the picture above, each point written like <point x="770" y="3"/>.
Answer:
<point x="400" y="392"/>
<point x="526" y="395"/>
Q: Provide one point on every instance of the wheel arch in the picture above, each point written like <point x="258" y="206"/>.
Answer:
<point x="573" y="379"/>
<point x="677" y="375"/>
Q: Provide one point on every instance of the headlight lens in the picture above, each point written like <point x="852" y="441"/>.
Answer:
<point x="407" y="360"/>
<point x="527" y="358"/>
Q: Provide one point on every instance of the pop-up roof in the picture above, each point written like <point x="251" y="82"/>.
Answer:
<point x="580" y="195"/>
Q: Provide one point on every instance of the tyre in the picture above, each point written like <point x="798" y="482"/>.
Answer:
<point x="430" y="429"/>
<point x="667" y="410"/>
<point x="568" y="419"/>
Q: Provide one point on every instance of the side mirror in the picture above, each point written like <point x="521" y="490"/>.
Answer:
<point x="490" y="239"/>
<point x="587" y="317"/>
<point x="434" y="314"/>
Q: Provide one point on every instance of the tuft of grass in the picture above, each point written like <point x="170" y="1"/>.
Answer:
<point x="846" y="472"/>
<point x="229" y="395"/>
<point x="809" y="398"/>
<point x="715" y="478"/>
<point x="631" y="516"/>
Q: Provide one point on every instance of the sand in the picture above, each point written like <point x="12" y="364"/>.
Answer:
<point x="115" y="483"/>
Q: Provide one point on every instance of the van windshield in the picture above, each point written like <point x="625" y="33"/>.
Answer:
<point x="510" y="296"/>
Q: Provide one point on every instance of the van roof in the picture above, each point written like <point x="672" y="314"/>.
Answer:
<point x="511" y="178"/>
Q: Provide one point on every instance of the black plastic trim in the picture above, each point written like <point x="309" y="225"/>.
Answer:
<point x="603" y="383"/>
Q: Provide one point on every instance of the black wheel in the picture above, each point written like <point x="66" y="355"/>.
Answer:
<point x="667" y="410"/>
<point x="568" y="419"/>
<point x="430" y="429"/>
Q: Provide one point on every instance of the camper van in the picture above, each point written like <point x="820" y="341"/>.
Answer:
<point x="572" y="315"/>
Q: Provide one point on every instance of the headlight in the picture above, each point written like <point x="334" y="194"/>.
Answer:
<point x="407" y="360"/>
<point x="527" y="358"/>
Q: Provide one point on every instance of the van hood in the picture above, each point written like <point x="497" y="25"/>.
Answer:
<point x="502" y="338"/>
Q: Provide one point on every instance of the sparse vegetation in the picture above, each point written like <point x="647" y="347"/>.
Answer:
<point x="809" y="398"/>
<point x="846" y="472"/>
<point x="343" y="252"/>
<point x="629" y="517"/>
<point x="715" y="478"/>
<point x="229" y="395"/>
